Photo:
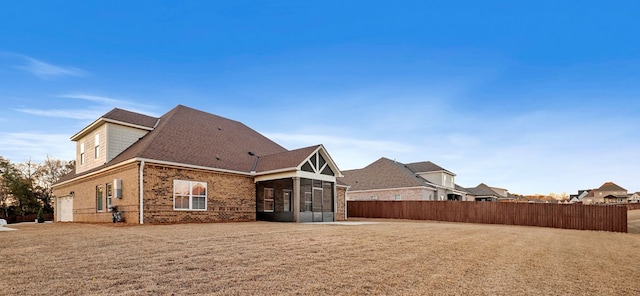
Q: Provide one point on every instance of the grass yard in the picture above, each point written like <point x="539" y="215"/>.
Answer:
<point x="262" y="258"/>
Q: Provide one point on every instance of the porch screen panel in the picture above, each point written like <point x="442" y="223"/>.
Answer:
<point x="317" y="196"/>
<point x="305" y="195"/>
<point x="327" y="196"/>
<point x="317" y="199"/>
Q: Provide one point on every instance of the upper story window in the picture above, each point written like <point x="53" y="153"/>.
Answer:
<point x="81" y="153"/>
<point x="97" y="146"/>
<point x="189" y="195"/>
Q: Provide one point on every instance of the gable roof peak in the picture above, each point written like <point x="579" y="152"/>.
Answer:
<point x="120" y="116"/>
<point x="427" y="167"/>
<point x="610" y="186"/>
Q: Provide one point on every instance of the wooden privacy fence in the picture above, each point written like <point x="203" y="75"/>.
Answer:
<point x="584" y="217"/>
<point x="25" y="218"/>
<point x="633" y="206"/>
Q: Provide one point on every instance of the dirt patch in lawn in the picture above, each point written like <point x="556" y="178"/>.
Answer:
<point x="261" y="258"/>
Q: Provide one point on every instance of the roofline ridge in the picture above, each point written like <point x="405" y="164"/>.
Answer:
<point x="152" y="136"/>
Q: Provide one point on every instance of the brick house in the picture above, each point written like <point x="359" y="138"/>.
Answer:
<point x="484" y="192"/>
<point x="387" y="179"/>
<point x="192" y="166"/>
<point x="608" y="193"/>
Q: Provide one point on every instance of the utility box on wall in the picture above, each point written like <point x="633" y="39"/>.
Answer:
<point x="117" y="188"/>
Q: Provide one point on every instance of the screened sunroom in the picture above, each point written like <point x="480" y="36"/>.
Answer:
<point x="305" y="194"/>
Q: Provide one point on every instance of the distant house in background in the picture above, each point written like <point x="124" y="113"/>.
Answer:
<point x="387" y="179"/>
<point x="574" y="198"/>
<point x="484" y="192"/>
<point x="608" y="193"/>
<point x="634" y="197"/>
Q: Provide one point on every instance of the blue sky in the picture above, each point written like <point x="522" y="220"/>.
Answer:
<point x="533" y="96"/>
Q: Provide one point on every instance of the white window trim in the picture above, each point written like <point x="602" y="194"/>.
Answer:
<point x="81" y="153"/>
<point x="96" y="148"/>
<point x="109" y="197"/>
<point x="206" y="198"/>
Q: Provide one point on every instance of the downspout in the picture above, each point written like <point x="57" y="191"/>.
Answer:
<point x="141" y="192"/>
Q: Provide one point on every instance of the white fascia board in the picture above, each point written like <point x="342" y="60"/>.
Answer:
<point x="100" y="121"/>
<point x="438" y="171"/>
<point x="153" y="161"/>
<point x="96" y="172"/>
<point x="328" y="158"/>
<point x="290" y="173"/>
<point x="191" y="166"/>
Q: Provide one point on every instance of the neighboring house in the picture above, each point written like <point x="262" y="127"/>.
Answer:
<point x="608" y="193"/>
<point x="483" y="192"/>
<point x="387" y="179"/>
<point x="634" y="197"/>
<point x="443" y="180"/>
<point x="574" y="198"/>
<point x="192" y="166"/>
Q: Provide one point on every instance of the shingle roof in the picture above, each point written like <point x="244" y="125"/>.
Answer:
<point x="382" y="174"/>
<point x="425" y="166"/>
<point x="287" y="159"/>
<point x="610" y="186"/>
<point x="131" y="117"/>
<point x="460" y="188"/>
<point x="193" y="137"/>
<point x="483" y="190"/>
<point x="189" y="136"/>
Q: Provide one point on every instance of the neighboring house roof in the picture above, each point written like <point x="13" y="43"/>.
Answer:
<point x="616" y="196"/>
<point x="384" y="173"/>
<point x="483" y="190"/>
<point x="590" y="194"/>
<point x="192" y="137"/>
<point x="610" y="186"/>
<point x="460" y="188"/>
<point x="425" y="167"/>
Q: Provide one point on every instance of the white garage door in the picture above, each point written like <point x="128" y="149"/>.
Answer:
<point x="65" y="209"/>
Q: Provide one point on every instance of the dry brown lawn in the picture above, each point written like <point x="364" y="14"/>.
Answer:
<point x="262" y="258"/>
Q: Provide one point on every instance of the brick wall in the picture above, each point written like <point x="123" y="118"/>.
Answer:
<point x="229" y="197"/>
<point x="405" y="194"/>
<point x="341" y="213"/>
<point x="84" y="199"/>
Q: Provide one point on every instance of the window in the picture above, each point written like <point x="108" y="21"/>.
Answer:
<point x="398" y="197"/>
<point x="81" y="153"/>
<point x="268" y="200"/>
<point x="373" y="197"/>
<point x="109" y="195"/>
<point x="99" y="204"/>
<point x="189" y="195"/>
<point x="97" y="146"/>
<point x="286" y="194"/>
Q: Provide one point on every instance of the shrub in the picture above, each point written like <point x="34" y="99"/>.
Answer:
<point x="41" y="216"/>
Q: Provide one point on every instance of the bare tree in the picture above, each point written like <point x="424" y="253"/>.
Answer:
<point x="49" y="172"/>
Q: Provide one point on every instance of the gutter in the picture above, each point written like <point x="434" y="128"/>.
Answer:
<point x="142" y="192"/>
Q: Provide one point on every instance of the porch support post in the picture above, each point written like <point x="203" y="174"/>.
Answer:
<point x="335" y="202"/>
<point x="296" y="199"/>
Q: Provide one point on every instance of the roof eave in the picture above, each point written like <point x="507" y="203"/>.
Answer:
<point x="103" y="120"/>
